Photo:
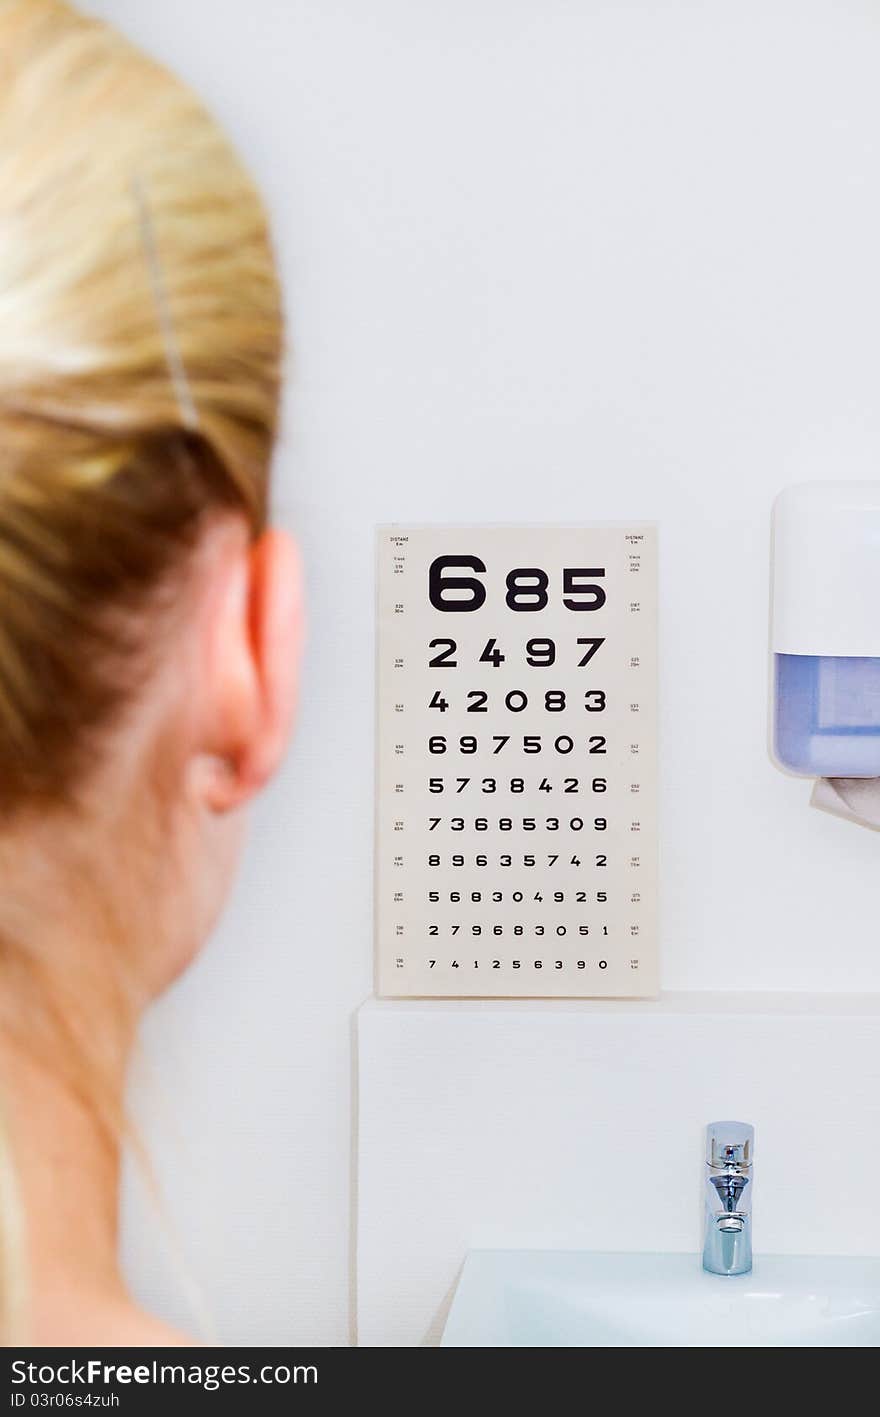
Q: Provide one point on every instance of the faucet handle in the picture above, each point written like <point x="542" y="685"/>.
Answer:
<point x="729" y="1144"/>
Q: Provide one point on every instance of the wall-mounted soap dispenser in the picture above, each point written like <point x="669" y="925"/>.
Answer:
<point x="825" y="629"/>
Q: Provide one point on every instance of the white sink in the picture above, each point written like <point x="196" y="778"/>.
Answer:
<point x="583" y="1299"/>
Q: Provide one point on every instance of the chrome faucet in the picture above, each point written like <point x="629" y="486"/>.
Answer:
<point x="727" y="1244"/>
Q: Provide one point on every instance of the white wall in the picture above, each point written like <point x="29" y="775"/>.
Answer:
<point x="552" y="260"/>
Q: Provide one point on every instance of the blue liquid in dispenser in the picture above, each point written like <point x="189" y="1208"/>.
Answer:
<point x="827" y="715"/>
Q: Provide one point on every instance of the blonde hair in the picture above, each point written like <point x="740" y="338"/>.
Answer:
<point x="140" y="343"/>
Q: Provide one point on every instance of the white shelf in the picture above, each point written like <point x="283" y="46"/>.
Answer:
<point x="683" y="1002"/>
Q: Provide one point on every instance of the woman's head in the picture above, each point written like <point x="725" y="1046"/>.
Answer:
<point x="148" y="621"/>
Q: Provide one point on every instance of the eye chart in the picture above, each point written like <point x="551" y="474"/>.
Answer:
<point x="517" y="755"/>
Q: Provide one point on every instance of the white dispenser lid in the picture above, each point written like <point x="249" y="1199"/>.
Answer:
<point x="826" y="569"/>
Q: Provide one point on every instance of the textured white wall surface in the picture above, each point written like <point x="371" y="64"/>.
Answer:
<point x="549" y="261"/>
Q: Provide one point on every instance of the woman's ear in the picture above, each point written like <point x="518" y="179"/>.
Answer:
<point x="276" y="628"/>
<point x="252" y="641"/>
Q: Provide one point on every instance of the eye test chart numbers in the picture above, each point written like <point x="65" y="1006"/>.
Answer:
<point x="517" y="757"/>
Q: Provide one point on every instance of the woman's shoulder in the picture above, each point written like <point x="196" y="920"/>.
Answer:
<point x="102" y="1323"/>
